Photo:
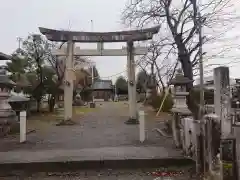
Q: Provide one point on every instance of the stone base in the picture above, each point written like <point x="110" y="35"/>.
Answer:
<point x="7" y="115"/>
<point x="9" y="125"/>
<point x="132" y="121"/>
<point x="78" y="103"/>
<point x="92" y="105"/>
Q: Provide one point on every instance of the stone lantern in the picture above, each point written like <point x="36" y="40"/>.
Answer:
<point x="7" y="115"/>
<point x="180" y="93"/>
<point x="180" y="108"/>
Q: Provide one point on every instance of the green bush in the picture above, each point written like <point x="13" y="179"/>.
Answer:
<point x="156" y="101"/>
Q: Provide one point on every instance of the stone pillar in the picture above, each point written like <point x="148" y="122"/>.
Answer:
<point x="131" y="85"/>
<point x="68" y="82"/>
<point x="222" y="100"/>
<point x="209" y="125"/>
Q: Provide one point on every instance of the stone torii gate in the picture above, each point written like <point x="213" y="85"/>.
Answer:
<point x="100" y="37"/>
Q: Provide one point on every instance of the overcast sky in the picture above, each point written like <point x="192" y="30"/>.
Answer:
<point x="20" y="17"/>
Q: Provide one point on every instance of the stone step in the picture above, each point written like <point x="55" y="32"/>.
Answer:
<point x="94" y="158"/>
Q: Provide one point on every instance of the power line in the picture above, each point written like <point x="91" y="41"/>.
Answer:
<point x="107" y="77"/>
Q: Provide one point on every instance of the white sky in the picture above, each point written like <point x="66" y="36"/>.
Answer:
<point x="20" y="17"/>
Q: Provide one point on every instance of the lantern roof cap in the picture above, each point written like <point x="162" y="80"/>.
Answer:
<point x="4" y="79"/>
<point x="180" y="79"/>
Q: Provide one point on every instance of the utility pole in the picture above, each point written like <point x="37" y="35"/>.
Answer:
<point x="92" y="67"/>
<point x="91" y="25"/>
<point x="201" y="141"/>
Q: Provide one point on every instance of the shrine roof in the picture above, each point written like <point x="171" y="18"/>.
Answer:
<point x="102" y="85"/>
<point x="4" y="56"/>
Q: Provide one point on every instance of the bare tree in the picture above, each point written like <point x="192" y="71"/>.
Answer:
<point x="179" y="20"/>
<point x="162" y="67"/>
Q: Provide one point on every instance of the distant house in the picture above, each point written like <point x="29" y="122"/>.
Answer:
<point x="103" y="89"/>
<point x="210" y="88"/>
<point x="209" y="82"/>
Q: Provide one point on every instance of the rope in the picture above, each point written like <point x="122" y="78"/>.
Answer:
<point x="164" y="98"/>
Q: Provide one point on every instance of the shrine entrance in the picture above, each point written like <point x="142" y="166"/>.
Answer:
<point x="72" y="37"/>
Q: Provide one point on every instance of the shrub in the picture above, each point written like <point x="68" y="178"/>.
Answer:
<point x="156" y="101"/>
<point x="208" y="95"/>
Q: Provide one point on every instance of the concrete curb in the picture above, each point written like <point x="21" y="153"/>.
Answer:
<point x="10" y="169"/>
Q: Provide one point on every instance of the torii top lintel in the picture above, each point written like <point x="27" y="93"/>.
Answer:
<point x="91" y="37"/>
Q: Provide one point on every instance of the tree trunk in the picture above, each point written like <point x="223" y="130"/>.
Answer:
<point x="38" y="105"/>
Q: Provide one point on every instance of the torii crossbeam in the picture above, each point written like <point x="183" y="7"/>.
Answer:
<point x="93" y="37"/>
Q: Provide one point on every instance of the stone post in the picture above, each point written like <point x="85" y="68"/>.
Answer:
<point x="23" y="126"/>
<point x="131" y="85"/>
<point x="68" y="82"/>
<point x="141" y="126"/>
<point x="222" y="101"/>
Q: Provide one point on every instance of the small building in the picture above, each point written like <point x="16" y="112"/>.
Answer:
<point x="103" y="89"/>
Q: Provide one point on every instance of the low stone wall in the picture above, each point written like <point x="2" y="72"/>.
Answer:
<point x="189" y="132"/>
<point x="188" y="136"/>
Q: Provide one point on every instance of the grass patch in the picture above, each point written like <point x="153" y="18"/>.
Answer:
<point x="41" y="121"/>
<point x="83" y="110"/>
<point x="44" y="120"/>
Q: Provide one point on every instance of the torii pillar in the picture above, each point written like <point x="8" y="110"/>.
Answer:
<point x="68" y="82"/>
<point x="132" y="100"/>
